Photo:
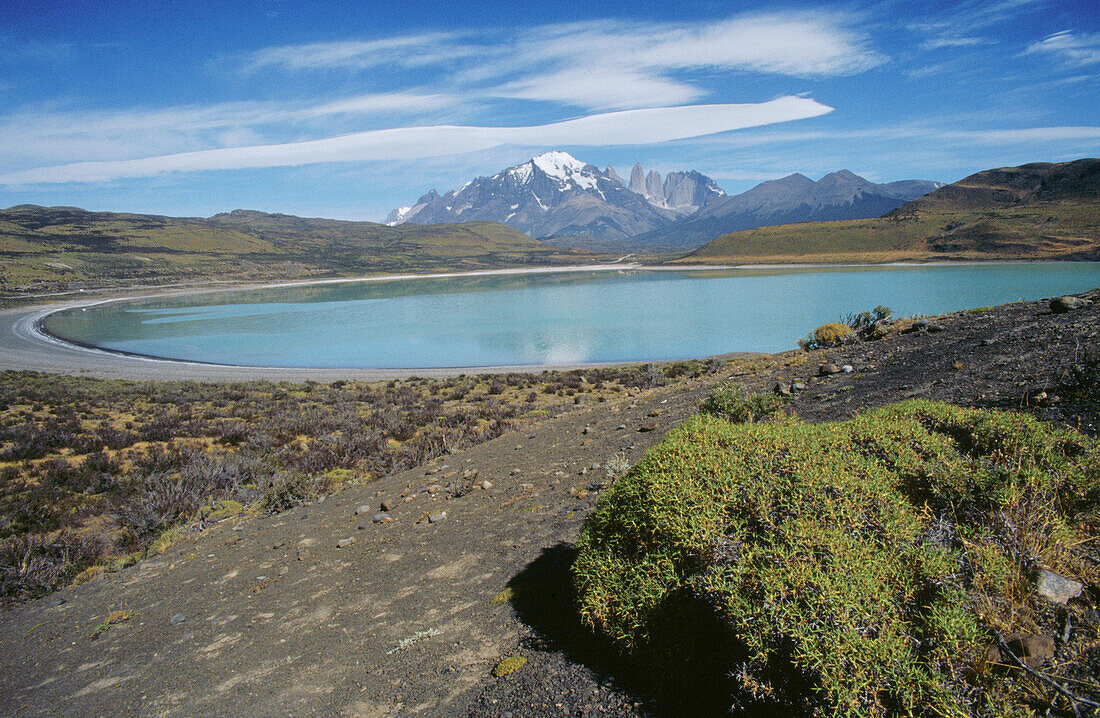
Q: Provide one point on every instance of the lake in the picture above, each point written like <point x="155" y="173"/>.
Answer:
<point x="548" y="319"/>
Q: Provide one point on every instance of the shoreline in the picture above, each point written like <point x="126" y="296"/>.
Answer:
<point x="29" y="347"/>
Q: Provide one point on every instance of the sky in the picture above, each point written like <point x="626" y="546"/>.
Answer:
<point x="349" y="109"/>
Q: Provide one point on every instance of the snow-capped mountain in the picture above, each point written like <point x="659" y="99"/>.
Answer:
<point x="557" y="195"/>
<point x="559" y="198"/>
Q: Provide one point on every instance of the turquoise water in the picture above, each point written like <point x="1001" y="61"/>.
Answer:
<point x="542" y="319"/>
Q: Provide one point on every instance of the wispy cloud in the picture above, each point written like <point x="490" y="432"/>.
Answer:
<point x="601" y="64"/>
<point x="1075" y="49"/>
<point x="629" y="127"/>
<point x="93" y="135"/>
<point x="962" y="24"/>
<point x="421" y="50"/>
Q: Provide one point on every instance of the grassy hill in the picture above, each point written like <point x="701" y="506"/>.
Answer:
<point x="1035" y="211"/>
<point x="58" y="248"/>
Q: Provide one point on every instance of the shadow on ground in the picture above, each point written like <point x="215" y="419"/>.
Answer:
<point x="691" y="678"/>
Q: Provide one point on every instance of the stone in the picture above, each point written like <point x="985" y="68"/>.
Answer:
<point x="177" y="619"/>
<point x="437" y="517"/>
<point x="798" y="386"/>
<point x="362" y="510"/>
<point x="469" y="473"/>
<point x="847" y="369"/>
<point x="586" y="430"/>
<point x="434" y="488"/>
<point x="345" y="542"/>
<point x="486" y="485"/>
<point x="620" y="427"/>
<point x="933" y="328"/>
<point x="648" y="426"/>
<point x="382" y="518"/>
<point x="1055" y="588"/>
<point x="1061" y="305"/>
<point x="921" y="324"/>
<point x="1032" y="649"/>
<point x="386" y="505"/>
<point x="828" y="369"/>
<point x="782" y="388"/>
<point x="432" y="470"/>
<point x="527" y="487"/>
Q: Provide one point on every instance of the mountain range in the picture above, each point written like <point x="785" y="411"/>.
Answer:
<point x="1041" y="210"/>
<point x="566" y="202"/>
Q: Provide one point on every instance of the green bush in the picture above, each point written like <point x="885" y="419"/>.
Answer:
<point x="730" y="402"/>
<point x="849" y="568"/>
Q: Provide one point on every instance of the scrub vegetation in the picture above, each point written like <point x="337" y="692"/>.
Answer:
<point x="96" y="473"/>
<point x="851" y="568"/>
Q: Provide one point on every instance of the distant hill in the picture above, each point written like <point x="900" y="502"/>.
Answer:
<point x="795" y="198"/>
<point x="1035" y="211"/>
<point x="570" y="203"/>
<point x="61" y="247"/>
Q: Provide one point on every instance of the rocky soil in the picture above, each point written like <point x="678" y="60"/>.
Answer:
<point x="343" y="608"/>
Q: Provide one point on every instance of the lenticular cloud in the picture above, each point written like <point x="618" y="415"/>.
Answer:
<point x="628" y="127"/>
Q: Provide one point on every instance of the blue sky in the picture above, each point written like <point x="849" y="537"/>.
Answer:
<point x="347" y="110"/>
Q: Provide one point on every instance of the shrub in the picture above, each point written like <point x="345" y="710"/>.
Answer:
<point x="285" y="490"/>
<point x="848" y="568"/>
<point x="827" y="335"/>
<point x="34" y="564"/>
<point x="730" y="402"/>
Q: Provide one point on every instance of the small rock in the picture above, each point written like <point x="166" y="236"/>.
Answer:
<point x="469" y="473"/>
<point x="382" y="518"/>
<point x="1055" y="588"/>
<point x="828" y="370"/>
<point x="782" y="388"/>
<point x="386" y="506"/>
<point x="586" y="430"/>
<point x="933" y="328"/>
<point x="620" y="427"/>
<point x="345" y="542"/>
<point x="407" y="499"/>
<point x="231" y="541"/>
<point x="361" y="527"/>
<point x="527" y="487"/>
<point x="434" y="488"/>
<point x="261" y="578"/>
<point x="655" y="412"/>
<point x="921" y="324"/>
<point x="987" y="342"/>
<point x="364" y="509"/>
<point x="486" y="485"/>
<point x="177" y="619"/>
<point x="437" y="517"/>
<point x="847" y="369"/>
<point x="648" y="426"/>
<point x="798" y="386"/>
<point x="432" y="470"/>
<point x="1033" y="650"/>
<point x="1061" y="305"/>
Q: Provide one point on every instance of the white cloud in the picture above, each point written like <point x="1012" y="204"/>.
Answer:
<point x="612" y="88"/>
<point x="403" y="51"/>
<point x="600" y="64"/>
<point x="629" y="127"/>
<point x="1074" y="49"/>
<point x="91" y="135"/>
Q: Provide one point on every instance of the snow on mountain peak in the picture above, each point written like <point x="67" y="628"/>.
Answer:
<point x="565" y="168"/>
